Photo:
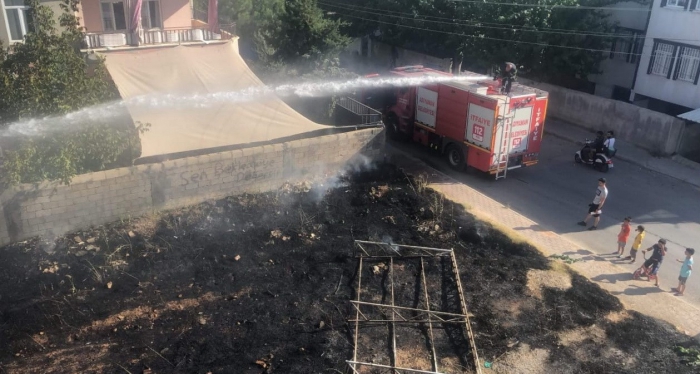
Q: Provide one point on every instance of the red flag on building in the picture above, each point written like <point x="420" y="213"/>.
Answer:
<point x="135" y="24"/>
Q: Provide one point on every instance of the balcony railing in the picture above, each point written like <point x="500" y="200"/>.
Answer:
<point x="367" y="115"/>
<point x="154" y="37"/>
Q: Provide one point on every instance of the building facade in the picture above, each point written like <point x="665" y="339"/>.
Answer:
<point x="14" y="23"/>
<point x="616" y="76"/>
<point x="117" y="23"/>
<point x="669" y="69"/>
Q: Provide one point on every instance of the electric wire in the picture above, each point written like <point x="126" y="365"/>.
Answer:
<point x="491" y="38"/>
<point x="511" y="28"/>
<point x="554" y="6"/>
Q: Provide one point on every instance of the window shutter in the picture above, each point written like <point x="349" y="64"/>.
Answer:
<point x="663" y="3"/>
<point x="673" y="62"/>
<point x="630" y="49"/>
<point x="637" y="48"/>
<point x="678" y="64"/>
<point x="693" y="4"/>
<point x="697" y="76"/>
<point x="612" y="48"/>
<point x="653" y="56"/>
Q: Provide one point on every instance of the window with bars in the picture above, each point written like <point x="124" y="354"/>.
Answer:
<point x="677" y="3"/>
<point x="150" y="15"/>
<point x="18" y="22"/>
<point x="688" y="64"/>
<point x="662" y="59"/>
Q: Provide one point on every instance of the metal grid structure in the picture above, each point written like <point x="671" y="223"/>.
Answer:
<point x="367" y="251"/>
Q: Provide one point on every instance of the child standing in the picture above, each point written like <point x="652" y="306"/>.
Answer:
<point x="686" y="269"/>
<point x="637" y="244"/>
<point x="623" y="236"/>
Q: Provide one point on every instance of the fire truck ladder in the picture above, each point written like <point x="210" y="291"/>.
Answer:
<point x="506" y="121"/>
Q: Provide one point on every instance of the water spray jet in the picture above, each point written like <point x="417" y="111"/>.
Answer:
<point x="75" y="120"/>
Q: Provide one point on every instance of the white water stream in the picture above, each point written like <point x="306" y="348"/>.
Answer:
<point x="83" y="117"/>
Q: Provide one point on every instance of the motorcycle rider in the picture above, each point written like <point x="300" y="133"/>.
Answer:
<point x="609" y="144"/>
<point x="598" y="146"/>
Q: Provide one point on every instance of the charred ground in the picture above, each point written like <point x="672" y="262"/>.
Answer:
<point x="262" y="283"/>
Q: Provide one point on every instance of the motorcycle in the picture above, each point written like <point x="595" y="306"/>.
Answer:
<point x="601" y="161"/>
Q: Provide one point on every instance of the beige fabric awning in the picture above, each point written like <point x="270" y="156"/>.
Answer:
<point x="187" y="70"/>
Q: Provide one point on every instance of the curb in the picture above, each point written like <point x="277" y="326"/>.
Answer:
<point x="634" y="161"/>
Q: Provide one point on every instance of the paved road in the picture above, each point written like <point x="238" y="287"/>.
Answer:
<point x="556" y="193"/>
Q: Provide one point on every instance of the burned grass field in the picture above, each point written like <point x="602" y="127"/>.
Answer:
<point x="263" y="284"/>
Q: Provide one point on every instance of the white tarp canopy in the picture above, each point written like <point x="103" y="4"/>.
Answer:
<point x="189" y="70"/>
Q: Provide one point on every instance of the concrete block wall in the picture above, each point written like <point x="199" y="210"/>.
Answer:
<point x="50" y="209"/>
<point x="656" y="132"/>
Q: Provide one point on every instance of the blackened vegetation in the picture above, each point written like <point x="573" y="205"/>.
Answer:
<point x="168" y="293"/>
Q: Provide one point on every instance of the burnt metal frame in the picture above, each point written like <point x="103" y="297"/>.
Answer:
<point x="373" y="251"/>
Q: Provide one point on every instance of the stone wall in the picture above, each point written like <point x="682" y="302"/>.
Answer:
<point x="656" y="132"/>
<point x="50" y="208"/>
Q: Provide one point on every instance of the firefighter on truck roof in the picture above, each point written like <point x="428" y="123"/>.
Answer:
<point x="507" y="73"/>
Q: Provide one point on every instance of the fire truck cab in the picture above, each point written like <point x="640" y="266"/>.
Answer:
<point x="466" y="119"/>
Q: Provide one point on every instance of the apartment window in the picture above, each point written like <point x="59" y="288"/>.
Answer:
<point x="628" y="46"/>
<point x="113" y="15"/>
<point x="688" y="64"/>
<point x="662" y="59"/>
<point x="150" y="15"/>
<point x="18" y="22"/>
<point x="675" y="3"/>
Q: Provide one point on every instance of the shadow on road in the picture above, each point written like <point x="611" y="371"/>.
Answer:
<point x="635" y="290"/>
<point x="612" y="278"/>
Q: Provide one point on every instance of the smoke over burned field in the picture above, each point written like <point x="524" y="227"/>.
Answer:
<point x="263" y="283"/>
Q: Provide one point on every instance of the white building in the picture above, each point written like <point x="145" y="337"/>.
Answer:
<point x="617" y="71"/>
<point x="667" y="78"/>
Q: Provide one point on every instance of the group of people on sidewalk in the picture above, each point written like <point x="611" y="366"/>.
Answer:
<point x="658" y="251"/>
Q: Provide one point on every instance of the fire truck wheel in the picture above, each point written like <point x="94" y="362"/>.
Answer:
<point x="455" y="157"/>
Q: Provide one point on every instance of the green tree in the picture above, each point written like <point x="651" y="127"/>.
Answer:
<point x="485" y="34"/>
<point x="305" y="31"/>
<point x="46" y="75"/>
<point x="286" y="32"/>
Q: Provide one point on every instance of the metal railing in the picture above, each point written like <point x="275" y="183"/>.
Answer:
<point x="367" y="115"/>
<point x="153" y="37"/>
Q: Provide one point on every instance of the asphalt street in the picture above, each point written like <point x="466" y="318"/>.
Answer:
<point x="556" y="193"/>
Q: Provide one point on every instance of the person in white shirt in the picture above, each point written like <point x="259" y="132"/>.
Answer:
<point x="609" y="144"/>
<point x="595" y="209"/>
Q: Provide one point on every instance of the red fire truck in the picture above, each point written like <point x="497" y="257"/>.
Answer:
<point x="469" y="120"/>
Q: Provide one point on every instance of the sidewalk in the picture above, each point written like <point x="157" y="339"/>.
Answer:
<point x="635" y="295"/>
<point x="677" y="167"/>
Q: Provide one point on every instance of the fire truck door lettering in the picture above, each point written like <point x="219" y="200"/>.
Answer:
<point x="426" y="106"/>
<point x="480" y="124"/>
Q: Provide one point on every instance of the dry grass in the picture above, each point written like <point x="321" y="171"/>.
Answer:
<point x="539" y="279"/>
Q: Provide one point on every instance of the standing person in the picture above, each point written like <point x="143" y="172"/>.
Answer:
<point x="507" y="73"/>
<point x="657" y="257"/>
<point x="686" y="269"/>
<point x="623" y="236"/>
<point x="636" y="244"/>
<point x="595" y="208"/>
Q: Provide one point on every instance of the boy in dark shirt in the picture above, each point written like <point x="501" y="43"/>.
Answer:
<point x="657" y="257"/>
